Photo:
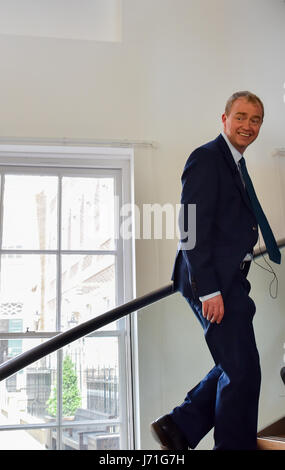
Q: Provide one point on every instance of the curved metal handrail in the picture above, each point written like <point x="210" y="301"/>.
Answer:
<point x="258" y="252"/>
<point x="62" y="339"/>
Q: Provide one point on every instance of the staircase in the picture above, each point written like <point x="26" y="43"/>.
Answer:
<point x="272" y="437"/>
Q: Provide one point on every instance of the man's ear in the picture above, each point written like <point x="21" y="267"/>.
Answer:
<point x="224" y="118"/>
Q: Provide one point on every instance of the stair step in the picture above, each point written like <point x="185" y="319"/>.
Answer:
<point x="273" y="436"/>
<point x="271" y="443"/>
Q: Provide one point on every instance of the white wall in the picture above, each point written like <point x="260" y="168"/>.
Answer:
<point x="166" y="81"/>
<point x="65" y="19"/>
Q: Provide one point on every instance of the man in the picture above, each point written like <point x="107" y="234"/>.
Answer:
<point x="212" y="278"/>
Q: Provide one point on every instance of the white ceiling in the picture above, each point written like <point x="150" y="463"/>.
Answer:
<point x="69" y="19"/>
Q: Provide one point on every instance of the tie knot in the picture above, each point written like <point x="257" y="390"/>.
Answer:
<point x="242" y="162"/>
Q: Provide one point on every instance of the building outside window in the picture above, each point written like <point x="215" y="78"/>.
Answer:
<point x="63" y="262"/>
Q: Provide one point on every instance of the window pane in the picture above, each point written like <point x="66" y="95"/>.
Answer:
<point x="88" y="288"/>
<point x="27" y="439"/>
<point x="30" y="212"/>
<point x="90" y="437"/>
<point x="27" y="293"/>
<point x="25" y="396"/>
<point x="87" y="437"/>
<point x="91" y="391"/>
<point x="88" y="213"/>
<point x="94" y="362"/>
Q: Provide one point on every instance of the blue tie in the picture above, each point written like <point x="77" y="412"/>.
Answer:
<point x="270" y="242"/>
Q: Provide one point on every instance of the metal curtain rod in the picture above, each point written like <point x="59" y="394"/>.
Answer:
<point x="62" y="339"/>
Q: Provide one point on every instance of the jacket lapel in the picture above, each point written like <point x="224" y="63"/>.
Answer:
<point x="232" y="164"/>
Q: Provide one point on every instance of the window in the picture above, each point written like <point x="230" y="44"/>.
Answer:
<point x="63" y="262"/>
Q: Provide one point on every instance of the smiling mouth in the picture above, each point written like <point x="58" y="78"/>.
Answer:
<point x="244" y="134"/>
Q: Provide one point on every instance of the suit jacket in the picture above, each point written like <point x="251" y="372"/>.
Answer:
<point x="226" y="227"/>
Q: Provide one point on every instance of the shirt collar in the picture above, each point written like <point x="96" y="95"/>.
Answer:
<point x="235" y="153"/>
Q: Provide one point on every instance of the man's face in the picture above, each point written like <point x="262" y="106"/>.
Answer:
<point x="243" y="123"/>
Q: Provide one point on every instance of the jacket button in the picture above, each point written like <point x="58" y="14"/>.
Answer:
<point x="254" y="227"/>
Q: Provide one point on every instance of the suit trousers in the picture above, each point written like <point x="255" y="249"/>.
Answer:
<point x="227" y="398"/>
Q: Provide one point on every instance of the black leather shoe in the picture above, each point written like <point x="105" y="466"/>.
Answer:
<point x="167" y="434"/>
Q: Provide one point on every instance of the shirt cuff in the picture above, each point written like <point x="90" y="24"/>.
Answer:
<point x="209" y="296"/>
<point x="248" y="257"/>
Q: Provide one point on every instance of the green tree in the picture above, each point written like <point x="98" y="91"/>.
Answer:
<point x="71" y="398"/>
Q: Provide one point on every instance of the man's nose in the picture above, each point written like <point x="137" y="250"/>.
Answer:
<point x="247" y="124"/>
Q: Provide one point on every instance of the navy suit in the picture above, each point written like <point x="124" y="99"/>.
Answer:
<point x="226" y="230"/>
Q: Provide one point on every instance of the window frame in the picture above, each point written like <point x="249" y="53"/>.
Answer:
<point x="51" y="159"/>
